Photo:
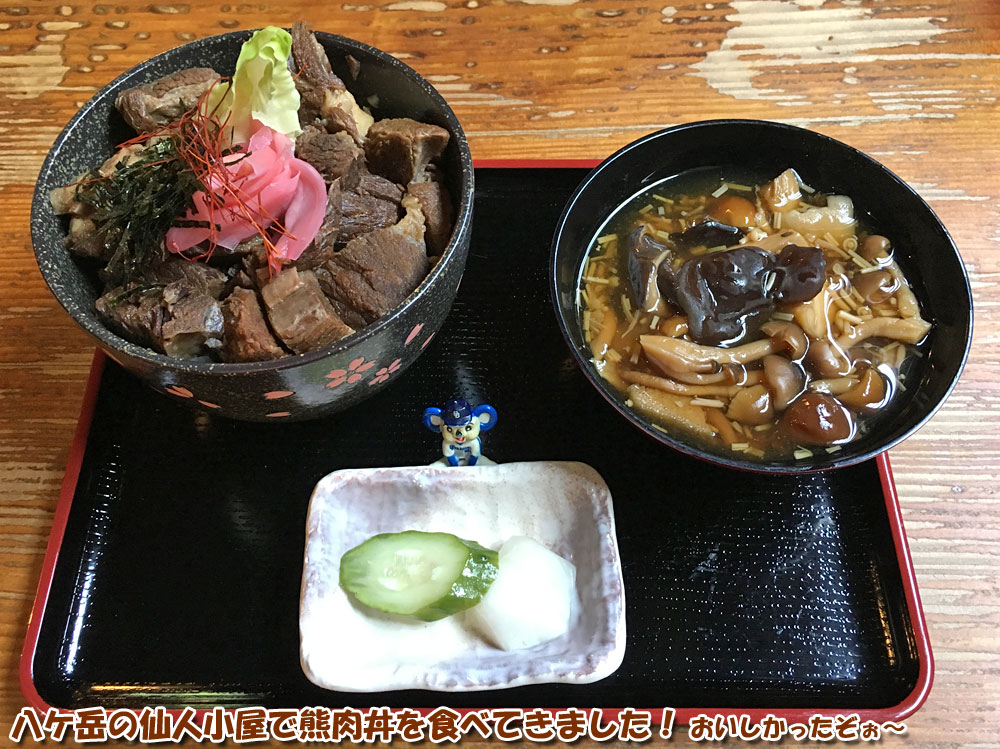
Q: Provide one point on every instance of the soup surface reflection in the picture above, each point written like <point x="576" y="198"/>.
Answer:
<point x="762" y="319"/>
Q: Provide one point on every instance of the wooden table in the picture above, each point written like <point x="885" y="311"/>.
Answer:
<point x="912" y="82"/>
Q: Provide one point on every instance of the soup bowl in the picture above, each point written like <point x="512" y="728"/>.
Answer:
<point x="297" y="386"/>
<point x="921" y="245"/>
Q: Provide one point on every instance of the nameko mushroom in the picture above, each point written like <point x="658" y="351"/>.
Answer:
<point x="696" y="363"/>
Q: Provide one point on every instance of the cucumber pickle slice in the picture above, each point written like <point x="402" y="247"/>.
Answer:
<point x="424" y="575"/>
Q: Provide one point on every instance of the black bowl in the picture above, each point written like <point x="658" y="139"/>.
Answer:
<point x="922" y="246"/>
<point x="295" y="387"/>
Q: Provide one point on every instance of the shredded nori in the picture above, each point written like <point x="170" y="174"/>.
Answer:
<point x="135" y="206"/>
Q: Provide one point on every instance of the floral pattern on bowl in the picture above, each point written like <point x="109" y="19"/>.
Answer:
<point x="359" y="369"/>
<point x="354" y="372"/>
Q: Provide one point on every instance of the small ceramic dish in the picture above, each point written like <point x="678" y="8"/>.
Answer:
<point x="564" y="506"/>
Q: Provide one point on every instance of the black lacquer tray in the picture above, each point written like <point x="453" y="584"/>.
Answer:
<point x="173" y="572"/>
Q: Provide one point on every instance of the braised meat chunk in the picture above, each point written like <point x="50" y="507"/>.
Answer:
<point x="136" y="316"/>
<point x="174" y="310"/>
<point x="435" y="202"/>
<point x="193" y="320"/>
<point x="152" y="105"/>
<point x="83" y="238"/>
<point x="377" y="271"/>
<point x="367" y="202"/>
<point x="299" y="313"/>
<point x="194" y="323"/>
<point x="339" y="112"/>
<point x="324" y="99"/>
<point x="331" y="153"/>
<point x="63" y="199"/>
<point x="324" y="244"/>
<point x="245" y="335"/>
<point x="400" y="149"/>
<point x="312" y="71"/>
<point x="195" y="278"/>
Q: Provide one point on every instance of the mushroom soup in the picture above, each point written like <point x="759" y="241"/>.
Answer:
<point x="759" y="317"/>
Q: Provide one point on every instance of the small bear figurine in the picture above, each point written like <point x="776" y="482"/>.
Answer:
<point x="460" y="424"/>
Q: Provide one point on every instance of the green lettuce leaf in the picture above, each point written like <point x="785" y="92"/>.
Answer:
<point x="262" y="89"/>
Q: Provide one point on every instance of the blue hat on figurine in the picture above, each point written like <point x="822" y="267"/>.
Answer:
<point x="459" y="425"/>
<point x="457" y="413"/>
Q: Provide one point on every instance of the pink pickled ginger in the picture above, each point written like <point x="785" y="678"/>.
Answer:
<point x="264" y="189"/>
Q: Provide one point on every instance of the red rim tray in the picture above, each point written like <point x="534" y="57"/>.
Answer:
<point x="540" y="185"/>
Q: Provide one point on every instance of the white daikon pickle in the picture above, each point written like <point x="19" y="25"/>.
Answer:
<point x="532" y="600"/>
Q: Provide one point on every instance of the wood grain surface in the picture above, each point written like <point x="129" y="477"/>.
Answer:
<point x="914" y="83"/>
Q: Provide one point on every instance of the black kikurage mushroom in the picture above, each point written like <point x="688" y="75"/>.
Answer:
<point x="729" y="295"/>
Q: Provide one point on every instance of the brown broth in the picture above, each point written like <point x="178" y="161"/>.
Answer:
<point x="700" y="407"/>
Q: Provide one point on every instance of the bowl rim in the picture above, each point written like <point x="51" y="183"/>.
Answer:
<point x="107" y="338"/>
<point x="767" y="467"/>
